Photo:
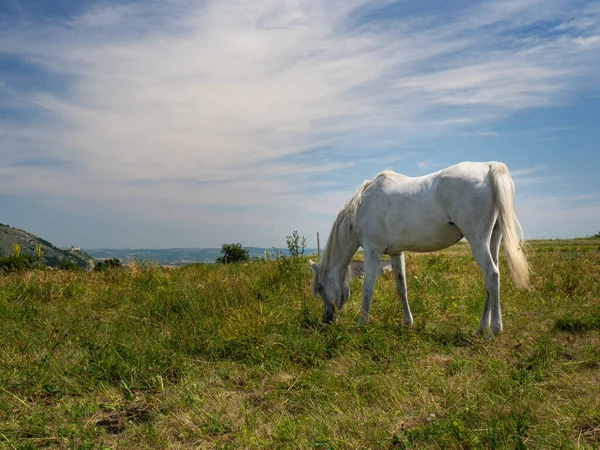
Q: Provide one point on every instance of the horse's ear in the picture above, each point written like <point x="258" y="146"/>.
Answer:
<point x="314" y="266"/>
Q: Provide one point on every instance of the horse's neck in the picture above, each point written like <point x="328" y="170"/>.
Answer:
<point x="342" y="255"/>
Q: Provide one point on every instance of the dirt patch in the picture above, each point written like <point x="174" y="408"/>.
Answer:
<point x="590" y="431"/>
<point x="115" y="421"/>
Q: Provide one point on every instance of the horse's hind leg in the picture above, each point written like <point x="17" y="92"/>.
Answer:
<point x="482" y="236"/>
<point x="495" y="306"/>
<point x="486" y="317"/>
<point x="399" y="267"/>
<point x="495" y="242"/>
<point x="483" y="257"/>
<point x="370" y="268"/>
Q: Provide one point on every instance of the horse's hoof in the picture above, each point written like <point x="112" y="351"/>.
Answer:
<point x="494" y="331"/>
<point x="481" y="330"/>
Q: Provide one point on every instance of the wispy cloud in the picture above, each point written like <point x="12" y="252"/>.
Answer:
<point x="520" y="172"/>
<point x="212" y="103"/>
<point x="531" y="176"/>
<point x="424" y="165"/>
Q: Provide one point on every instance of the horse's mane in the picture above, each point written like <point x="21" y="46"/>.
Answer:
<point x="342" y="227"/>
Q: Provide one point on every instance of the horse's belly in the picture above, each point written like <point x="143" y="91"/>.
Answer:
<point x="426" y="239"/>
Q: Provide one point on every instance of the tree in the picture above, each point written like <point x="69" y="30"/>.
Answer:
<point x="111" y="263"/>
<point x="68" y="265"/>
<point x="233" y="253"/>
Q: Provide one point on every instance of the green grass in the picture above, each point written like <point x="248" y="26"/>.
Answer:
<point x="237" y="357"/>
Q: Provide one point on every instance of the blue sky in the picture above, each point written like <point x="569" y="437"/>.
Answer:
<point x="182" y="123"/>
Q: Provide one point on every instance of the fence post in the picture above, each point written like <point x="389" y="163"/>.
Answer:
<point x="318" y="245"/>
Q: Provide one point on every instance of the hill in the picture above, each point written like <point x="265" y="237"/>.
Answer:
<point x="51" y="255"/>
<point x="176" y="256"/>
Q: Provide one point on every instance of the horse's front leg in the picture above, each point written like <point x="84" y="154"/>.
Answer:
<point x="370" y="268"/>
<point x="345" y="290"/>
<point x="399" y="266"/>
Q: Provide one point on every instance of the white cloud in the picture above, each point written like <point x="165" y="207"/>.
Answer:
<point x="180" y="102"/>
<point x="588" y="41"/>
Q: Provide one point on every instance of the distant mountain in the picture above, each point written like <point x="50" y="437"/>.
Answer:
<point x="176" y="256"/>
<point x="51" y="255"/>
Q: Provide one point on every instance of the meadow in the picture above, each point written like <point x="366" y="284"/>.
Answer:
<point x="236" y="356"/>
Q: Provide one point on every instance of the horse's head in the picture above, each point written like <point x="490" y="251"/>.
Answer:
<point x="334" y="291"/>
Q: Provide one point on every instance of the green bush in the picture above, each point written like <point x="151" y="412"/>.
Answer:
<point x="233" y="253"/>
<point x="113" y="262"/>
<point x="110" y="263"/>
<point x="68" y="265"/>
<point x="15" y="263"/>
<point x="293" y="266"/>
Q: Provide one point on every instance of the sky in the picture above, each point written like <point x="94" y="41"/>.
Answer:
<point x="192" y="123"/>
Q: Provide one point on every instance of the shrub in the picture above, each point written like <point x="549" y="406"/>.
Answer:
<point x="296" y="244"/>
<point x="68" y="265"/>
<point x="111" y="263"/>
<point x="294" y="266"/>
<point x="15" y="263"/>
<point x="233" y="253"/>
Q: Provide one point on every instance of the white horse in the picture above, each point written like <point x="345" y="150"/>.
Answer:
<point x="394" y="213"/>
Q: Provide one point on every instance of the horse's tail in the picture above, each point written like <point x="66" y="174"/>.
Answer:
<point x="504" y="191"/>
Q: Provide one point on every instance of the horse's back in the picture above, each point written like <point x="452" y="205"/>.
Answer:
<point x="428" y="191"/>
<point x="464" y="173"/>
<point x="466" y="187"/>
<point x="469" y="172"/>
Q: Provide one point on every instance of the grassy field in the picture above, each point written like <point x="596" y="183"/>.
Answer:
<point x="236" y="357"/>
